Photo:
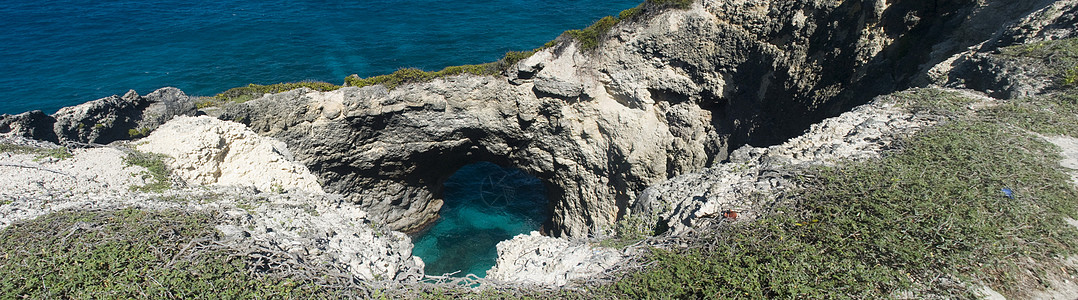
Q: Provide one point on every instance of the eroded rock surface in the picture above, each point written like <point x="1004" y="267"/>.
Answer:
<point x="536" y="259"/>
<point x="101" y="121"/>
<point x="115" y="118"/>
<point x="205" y="151"/>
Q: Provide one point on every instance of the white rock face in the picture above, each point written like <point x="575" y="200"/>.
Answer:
<point x="210" y="151"/>
<point x="318" y="227"/>
<point x="31" y="186"/>
<point x="537" y="259"/>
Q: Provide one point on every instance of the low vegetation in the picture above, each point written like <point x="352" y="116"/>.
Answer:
<point x="129" y="254"/>
<point x="41" y="153"/>
<point x="588" y="38"/>
<point x="253" y="91"/>
<point x="140" y="132"/>
<point x="1059" y="58"/>
<point x="928" y="220"/>
<point x="156" y="171"/>
<point x="412" y="75"/>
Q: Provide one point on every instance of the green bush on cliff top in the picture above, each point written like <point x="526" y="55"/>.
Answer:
<point x="253" y="91"/>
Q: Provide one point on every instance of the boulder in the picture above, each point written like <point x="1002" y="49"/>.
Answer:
<point x="536" y="259"/>
<point x="113" y="118"/>
<point x="207" y="151"/>
<point x="33" y="124"/>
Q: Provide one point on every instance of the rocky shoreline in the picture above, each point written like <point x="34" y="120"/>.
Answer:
<point x="678" y="121"/>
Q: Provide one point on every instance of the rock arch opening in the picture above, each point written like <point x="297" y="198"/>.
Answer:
<point x="484" y="204"/>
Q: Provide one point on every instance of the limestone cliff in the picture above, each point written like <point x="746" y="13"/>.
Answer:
<point x="666" y="93"/>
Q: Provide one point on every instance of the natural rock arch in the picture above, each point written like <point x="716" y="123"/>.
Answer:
<point x="392" y="150"/>
<point x="662" y="96"/>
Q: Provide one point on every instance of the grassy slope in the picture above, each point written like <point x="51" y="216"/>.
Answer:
<point x="127" y="254"/>
<point x="915" y="222"/>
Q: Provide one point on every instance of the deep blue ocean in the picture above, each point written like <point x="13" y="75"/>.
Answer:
<point x="61" y="53"/>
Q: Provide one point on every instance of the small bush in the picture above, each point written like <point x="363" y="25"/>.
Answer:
<point x="588" y="38"/>
<point x="205" y="102"/>
<point x="1070" y="79"/>
<point x="513" y="57"/>
<point x="57" y="153"/>
<point x="139" y="132"/>
<point x="156" y="169"/>
<point x="629" y="13"/>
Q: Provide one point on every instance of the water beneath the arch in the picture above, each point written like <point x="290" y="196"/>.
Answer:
<point x="484" y="204"/>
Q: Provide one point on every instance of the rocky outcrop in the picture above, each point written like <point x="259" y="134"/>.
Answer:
<point x="101" y="121"/>
<point x="115" y="118"/>
<point x="1007" y="76"/>
<point x="318" y="228"/>
<point x="206" y="151"/>
<point x="34" y="124"/>
<point x="391" y="150"/>
<point x="663" y="95"/>
<point x="536" y="259"/>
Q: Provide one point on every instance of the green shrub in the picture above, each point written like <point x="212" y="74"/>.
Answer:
<point x="253" y="91"/>
<point x="413" y="75"/>
<point x="156" y="170"/>
<point x="1055" y="114"/>
<point x="679" y="4"/>
<point x="629" y="13"/>
<point x="205" y="102"/>
<point x="57" y="153"/>
<point x="1070" y="79"/>
<point x="588" y="38"/>
<point x="513" y="57"/>
<point x="138" y="132"/>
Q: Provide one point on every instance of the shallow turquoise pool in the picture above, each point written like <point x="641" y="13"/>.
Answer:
<point x="484" y="204"/>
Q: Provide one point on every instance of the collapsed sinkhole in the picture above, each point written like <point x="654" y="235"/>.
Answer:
<point x="484" y="204"/>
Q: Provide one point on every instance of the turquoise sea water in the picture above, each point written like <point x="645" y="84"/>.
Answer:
<point x="64" y="52"/>
<point x="484" y="204"/>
